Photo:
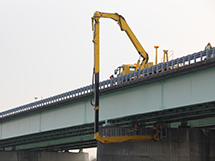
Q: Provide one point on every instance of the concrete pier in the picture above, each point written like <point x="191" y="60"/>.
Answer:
<point x="182" y="144"/>
<point x="42" y="156"/>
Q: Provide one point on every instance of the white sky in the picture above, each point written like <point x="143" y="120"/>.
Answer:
<point x="91" y="151"/>
<point x="46" y="45"/>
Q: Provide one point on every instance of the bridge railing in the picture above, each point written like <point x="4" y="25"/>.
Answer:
<point x="124" y="131"/>
<point x="176" y="63"/>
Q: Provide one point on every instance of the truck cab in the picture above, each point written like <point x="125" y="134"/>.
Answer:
<point x="124" y="69"/>
<point x="127" y="68"/>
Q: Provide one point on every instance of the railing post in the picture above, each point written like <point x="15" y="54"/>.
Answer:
<point x="172" y="63"/>
<point x="177" y="62"/>
<point x="189" y="59"/>
<point x="214" y="52"/>
<point x="194" y="57"/>
<point x="207" y="54"/>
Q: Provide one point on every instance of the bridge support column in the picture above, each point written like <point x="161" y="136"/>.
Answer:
<point x="184" y="125"/>
<point x="42" y="156"/>
<point x="182" y="144"/>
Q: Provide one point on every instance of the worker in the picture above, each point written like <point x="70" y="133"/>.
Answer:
<point x="208" y="46"/>
<point x="136" y="128"/>
<point x="111" y="77"/>
<point x="160" y="127"/>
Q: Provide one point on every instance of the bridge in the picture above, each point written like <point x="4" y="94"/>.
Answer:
<point x="181" y="90"/>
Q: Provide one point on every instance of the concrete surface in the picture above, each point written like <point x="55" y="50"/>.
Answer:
<point x="186" y="89"/>
<point x="42" y="156"/>
<point x="185" y="144"/>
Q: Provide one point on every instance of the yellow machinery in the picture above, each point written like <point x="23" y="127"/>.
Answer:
<point x="118" y="139"/>
<point x="156" y="56"/>
<point x="165" y="56"/>
<point x="124" y="27"/>
<point x="124" y="69"/>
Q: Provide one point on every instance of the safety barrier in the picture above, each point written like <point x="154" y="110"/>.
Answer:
<point x="176" y="63"/>
<point x="124" y="131"/>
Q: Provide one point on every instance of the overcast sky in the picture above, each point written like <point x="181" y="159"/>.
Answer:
<point x="46" y="45"/>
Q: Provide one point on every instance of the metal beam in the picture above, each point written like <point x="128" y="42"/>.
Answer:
<point x="63" y="138"/>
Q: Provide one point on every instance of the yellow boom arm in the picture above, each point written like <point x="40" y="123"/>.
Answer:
<point x="124" y="27"/>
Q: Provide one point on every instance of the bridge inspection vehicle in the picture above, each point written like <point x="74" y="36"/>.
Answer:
<point x="125" y="69"/>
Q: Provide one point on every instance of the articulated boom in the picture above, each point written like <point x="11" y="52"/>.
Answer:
<point x="124" y="27"/>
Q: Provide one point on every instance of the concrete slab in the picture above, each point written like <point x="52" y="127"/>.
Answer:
<point x="187" y="144"/>
<point x="42" y="156"/>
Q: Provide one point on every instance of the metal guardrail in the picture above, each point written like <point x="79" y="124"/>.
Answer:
<point x="124" y="131"/>
<point x="176" y="63"/>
